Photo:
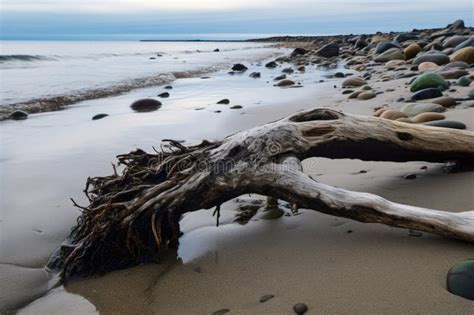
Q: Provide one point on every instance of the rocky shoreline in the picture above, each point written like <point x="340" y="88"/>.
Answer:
<point x="437" y="65"/>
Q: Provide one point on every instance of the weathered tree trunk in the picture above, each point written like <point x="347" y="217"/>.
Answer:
<point x="131" y="217"/>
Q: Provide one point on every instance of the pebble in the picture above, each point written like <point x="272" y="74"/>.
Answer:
<point x="271" y="64"/>
<point x="168" y="87"/>
<point x="446" y="124"/>
<point x="413" y="109"/>
<point x="366" y="95"/>
<point x="146" y="105"/>
<point x="288" y="70"/>
<point x="426" y="94"/>
<point x="464" y="54"/>
<point x="239" y="67"/>
<point x="460" y="279"/>
<point x="410" y="176"/>
<point x="224" y="101"/>
<point x="425" y="117"/>
<point x="425" y="66"/>
<point x="453" y="73"/>
<point x="384" y="46"/>
<point x="446" y="101"/>
<point x="300" y="308"/>
<point x="221" y="312"/>
<point x="164" y="95"/>
<point x="255" y="75"/>
<point x="434" y="57"/>
<point x="353" y="82"/>
<point x="428" y="80"/>
<point x="285" y="83"/>
<point x="411" y="51"/>
<point x="392" y="114"/>
<point x="19" y="115"/>
<point x="99" y="116"/>
<point x="280" y="77"/>
<point x="265" y="298"/>
<point x="464" y="81"/>
<point x="390" y="54"/>
<point x="414" y="233"/>
<point x="236" y="107"/>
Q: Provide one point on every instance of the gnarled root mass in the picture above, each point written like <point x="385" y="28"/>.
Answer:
<point x="135" y="215"/>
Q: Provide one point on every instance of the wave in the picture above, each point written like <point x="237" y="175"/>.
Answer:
<point x="6" y="58"/>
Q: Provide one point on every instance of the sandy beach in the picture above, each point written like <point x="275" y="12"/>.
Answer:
<point x="333" y="265"/>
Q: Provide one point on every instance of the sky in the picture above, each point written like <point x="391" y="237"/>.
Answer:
<point x="191" y="19"/>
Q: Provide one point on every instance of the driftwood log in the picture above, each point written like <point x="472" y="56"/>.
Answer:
<point x="135" y="215"/>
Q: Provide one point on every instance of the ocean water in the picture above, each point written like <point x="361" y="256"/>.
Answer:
<point x="38" y="70"/>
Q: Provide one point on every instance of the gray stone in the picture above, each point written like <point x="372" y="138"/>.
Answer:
<point x="435" y="57"/>
<point x="146" y="105"/>
<point x="99" y="116"/>
<point x="300" y="308"/>
<point x="446" y="124"/>
<point x="19" y="115"/>
<point x="414" y="109"/>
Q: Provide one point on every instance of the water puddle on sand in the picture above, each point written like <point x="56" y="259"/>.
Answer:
<point x="46" y="159"/>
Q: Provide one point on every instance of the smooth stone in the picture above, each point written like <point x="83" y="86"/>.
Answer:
<point x="217" y="50"/>
<point x="414" y="109"/>
<point x="146" y="105"/>
<point x="265" y="298"/>
<point x="390" y="54"/>
<point x="378" y="38"/>
<point x="280" y="77"/>
<point x="471" y="93"/>
<point x="453" y="73"/>
<point x="99" y="116"/>
<point x="446" y="101"/>
<point x="353" y="82"/>
<point x="456" y="64"/>
<point x="255" y="75"/>
<point x="411" y="51"/>
<point x="224" y="101"/>
<point x="329" y="50"/>
<point x="436" y="57"/>
<point x="414" y="233"/>
<point x="425" y="117"/>
<point x="380" y="111"/>
<point x="272" y="214"/>
<point x="392" y="114"/>
<point x="288" y="70"/>
<point x="221" y="312"/>
<point x="426" y="94"/>
<point x="164" y="95"/>
<point x="460" y="279"/>
<point x="464" y="54"/>
<point x="427" y="65"/>
<point x="347" y="92"/>
<point x="360" y="43"/>
<point x="239" y="67"/>
<point x="464" y="81"/>
<point x="384" y="46"/>
<point x="366" y="95"/>
<point x="285" y="83"/>
<point x="355" y="94"/>
<point x="299" y="52"/>
<point x="366" y="88"/>
<point x="428" y="80"/>
<point x="339" y="75"/>
<point x="467" y="43"/>
<point x="455" y="40"/>
<point x="271" y="64"/>
<point x="19" y="115"/>
<point x="300" y="308"/>
<point x="168" y="87"/>
<point x="236" y="107"/>
<point x="410" y="176"/>
<point x="446" y="124"/>
<point x="468" y="104"/>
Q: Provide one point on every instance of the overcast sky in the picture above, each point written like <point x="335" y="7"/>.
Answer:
<point x="138" y="19"/>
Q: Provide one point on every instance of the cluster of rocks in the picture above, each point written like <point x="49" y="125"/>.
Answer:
<point x="434" y="62"/>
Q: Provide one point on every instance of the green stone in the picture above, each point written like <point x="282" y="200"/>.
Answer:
<point x="460" y="279"/>
<point x="464" y="81"/>
<point x="428" y="80"/>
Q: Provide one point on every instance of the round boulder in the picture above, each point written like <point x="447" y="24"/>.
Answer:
<point x="434" y="57"/>
<point x="353" y="82"/>
<point x="446" y="101"/>
<point x="329" y="50"/>
<point x="19" y="115"/>
<point x="428" y="80"/>
<point x="239" y="67"/>
<point x="366" y="95"/>
<point x="426" y="66"/>
<point x="392" y="114"/>
<point x="425" y="117"/>
<point x="384" y="46"/>
<point x="145" y="105"/>
<point x="465" y="54"/>
<point x="414" y="109"/>
<point x="390" y="54"/>
<point x="426" y="94"/>
<point x="412" y="50"/>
